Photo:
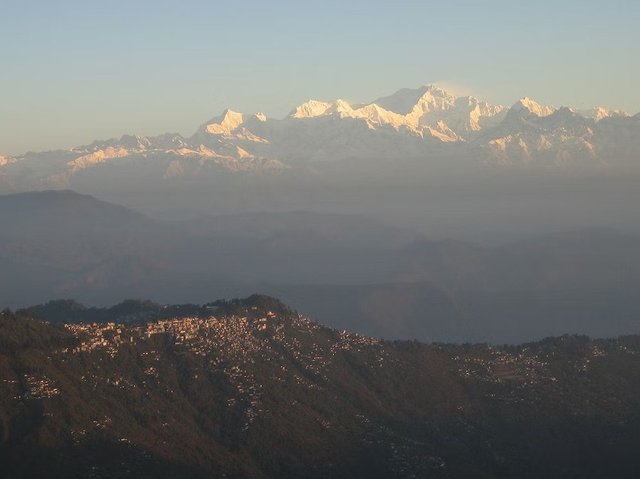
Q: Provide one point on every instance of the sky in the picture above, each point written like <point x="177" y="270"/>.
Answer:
<point x="75" y="71"/>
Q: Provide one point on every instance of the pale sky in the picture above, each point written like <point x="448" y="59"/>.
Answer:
<point x="75" y="71"/>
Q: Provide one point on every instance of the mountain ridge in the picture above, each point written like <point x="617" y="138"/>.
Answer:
<point x="343" y="269"/>
<point x="249" y="389"/>
<point x="408" y="123"/>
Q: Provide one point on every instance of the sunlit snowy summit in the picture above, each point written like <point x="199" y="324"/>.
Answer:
<point x="421" y="123"/>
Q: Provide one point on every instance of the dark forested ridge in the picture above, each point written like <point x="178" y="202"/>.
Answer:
<point x="252" y="389"/>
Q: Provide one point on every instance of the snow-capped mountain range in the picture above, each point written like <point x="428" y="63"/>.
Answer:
<point x="412" y="123"/>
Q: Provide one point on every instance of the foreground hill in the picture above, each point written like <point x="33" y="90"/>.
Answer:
<point x="251" y="389"/>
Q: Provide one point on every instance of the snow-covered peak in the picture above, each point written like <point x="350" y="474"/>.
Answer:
<point x="432" y="106"/>
<point x="311" y="109"/>
<point x="480" y="113"/>
<point x="261" y="117"/>
<point x="435" y="98"/>
<point x="441" y="131"/>
<point x="408" y="123"/>
<point x="527" y="104"/>
<point x="373" y="114"/>
<point x="341" y="107"/>
<point x="99" y="156"/>
<point x="423" y="99"/>
<point x="403" y="101"/>
<point x="242" y="153"/>
<point x="225" y="124"/>
<point x="598" y="113"/>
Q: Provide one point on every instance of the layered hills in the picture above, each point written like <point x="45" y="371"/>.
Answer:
<point x="347" y="271"/>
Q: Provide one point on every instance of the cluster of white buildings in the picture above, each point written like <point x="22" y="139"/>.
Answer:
<point x="234" y="345"/>
<point x="501" y="366"/>
<point x="40" y="387"/>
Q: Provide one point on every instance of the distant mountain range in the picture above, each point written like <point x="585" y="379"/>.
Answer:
<point x="425" y="123"/>
<point x="347" y="271"/>
<point x="250" y="389"/>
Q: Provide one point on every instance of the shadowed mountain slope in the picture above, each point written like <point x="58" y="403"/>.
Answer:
<point x="251" y="389"/>
<point x="347" y="271"/>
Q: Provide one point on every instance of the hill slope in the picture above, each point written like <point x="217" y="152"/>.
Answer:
<point x="250" y="389"/>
